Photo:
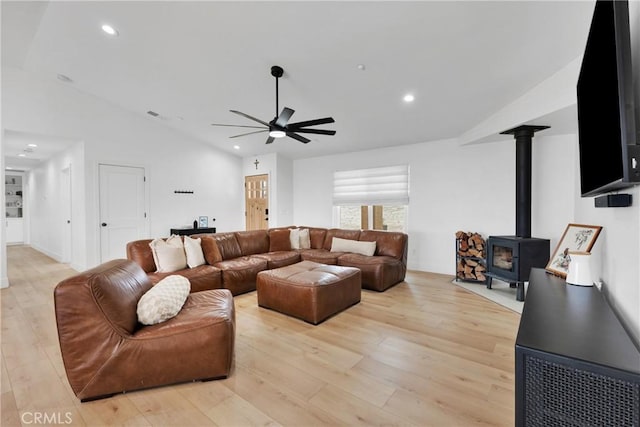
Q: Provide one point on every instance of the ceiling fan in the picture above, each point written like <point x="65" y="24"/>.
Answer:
<point x="280" y="126"/>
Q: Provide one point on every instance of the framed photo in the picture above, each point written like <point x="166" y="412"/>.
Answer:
<point x="576" y="237"/>
<point x="203" y="222"/>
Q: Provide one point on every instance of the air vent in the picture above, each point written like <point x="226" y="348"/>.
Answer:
<point x="152" y="113"/>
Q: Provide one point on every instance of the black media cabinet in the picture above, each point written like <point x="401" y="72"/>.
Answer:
<point x="575" y="363"/>
<point x="191" y="231"/>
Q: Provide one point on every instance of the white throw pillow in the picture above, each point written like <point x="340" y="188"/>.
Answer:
<point x="164" y="300"/>
<point x="354" y="246"/>
<point x="193" y="249"/>
<point x="305" y="240"/>
<point x="168" y="254"/>
<point x="294" y="238"/>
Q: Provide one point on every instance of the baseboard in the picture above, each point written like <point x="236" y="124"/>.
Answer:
<point x="53" y="255"/>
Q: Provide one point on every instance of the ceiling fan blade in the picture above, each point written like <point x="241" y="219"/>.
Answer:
<point x="249" y="133"/>
<point x="284" y="117"/>
<point x="237" y="126"/>
<point x="269" y="140"/>
<point x="249" y="117"/>
<point x="298" y="137"/>
<point x="311" y="123"/>
<point x="318" y="131"/>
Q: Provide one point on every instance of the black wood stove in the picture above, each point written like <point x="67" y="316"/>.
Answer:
<point x="510" y="258"/>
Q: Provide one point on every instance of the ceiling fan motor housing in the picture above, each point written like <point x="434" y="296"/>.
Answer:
<point x="277" y="71"/>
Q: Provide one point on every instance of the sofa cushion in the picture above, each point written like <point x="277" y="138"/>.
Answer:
<point x="253" y="242"/>
<point x="193" y="250"/>
<point x="210" y="249"/>
<point x="353" y="246"/>
<point x="228" y="245"/>
<point x="115" y="300"/>
<point x="239" y="274"/>
<point x="202" y="278"/>
<point x="279" y="259"/>
<point x="388" y="243"/>
<point x="316" y="236"/>
<point x="378" y="272"/>
<point x="164" y="300"/>
<point x="279" y="240"/>
<point x="321" y="256"/>
<point x="168" y="255"/>
<point x="140" y="252"/>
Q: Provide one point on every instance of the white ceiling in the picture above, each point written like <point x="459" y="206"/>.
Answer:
<point x="16" y="143"/>
<point x="194" y="61"/>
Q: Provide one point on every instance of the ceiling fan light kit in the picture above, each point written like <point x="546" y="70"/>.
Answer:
<point x="280" y="127"/>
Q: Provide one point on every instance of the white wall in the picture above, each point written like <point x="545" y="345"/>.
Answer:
<point x="112" y="135"/>
<point x="4" y="279"/>
<point x="620" y="239"/>
<point x="45" y="218"/>
<point x="452" y="187"/>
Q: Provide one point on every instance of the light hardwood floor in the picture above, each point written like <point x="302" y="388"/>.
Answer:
<point x="423" y="353"/>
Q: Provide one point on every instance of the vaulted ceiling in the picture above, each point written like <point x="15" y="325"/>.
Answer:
<point x="191" y="62"/>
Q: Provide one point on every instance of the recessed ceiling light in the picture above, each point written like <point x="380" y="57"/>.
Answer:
<point x="32" y="145"/>
<point x="361" y="67"/>
<point x="237" y="147"/>
<point x="409" y="98"/>
<point x="22" y="155"/>
<point x="109" y="30"/>
<point x="9" y="168"/>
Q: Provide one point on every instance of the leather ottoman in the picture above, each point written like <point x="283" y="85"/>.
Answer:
<point x="308" y="290"/>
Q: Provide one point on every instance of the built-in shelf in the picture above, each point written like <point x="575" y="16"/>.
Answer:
<point x="13" y="196"/>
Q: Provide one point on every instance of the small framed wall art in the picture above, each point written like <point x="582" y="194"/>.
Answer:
<point x="576" y="237"/>
<point x="203" y="222"/>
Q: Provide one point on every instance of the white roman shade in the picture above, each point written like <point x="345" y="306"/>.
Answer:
<point x="377" y="186"/>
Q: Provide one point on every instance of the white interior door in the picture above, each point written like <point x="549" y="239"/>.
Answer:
<point x="65" y="196"/>
<point x="122" y="209"/>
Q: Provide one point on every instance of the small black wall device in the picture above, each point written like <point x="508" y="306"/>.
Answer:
<point x="613" y="201"/>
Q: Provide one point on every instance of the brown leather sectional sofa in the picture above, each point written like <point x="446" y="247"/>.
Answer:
<point x="234" y="259"/>
<point x="106" y="350"/>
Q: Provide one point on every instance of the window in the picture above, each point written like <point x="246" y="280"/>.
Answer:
<point x="372" y="199"/>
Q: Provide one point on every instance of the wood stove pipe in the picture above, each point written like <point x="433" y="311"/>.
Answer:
<point x="523" y="135"/>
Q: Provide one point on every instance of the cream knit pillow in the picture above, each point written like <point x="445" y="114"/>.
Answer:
<point x="164" y="300"/>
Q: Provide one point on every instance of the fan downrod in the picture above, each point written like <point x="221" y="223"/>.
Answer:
<point x="277" y="71"/>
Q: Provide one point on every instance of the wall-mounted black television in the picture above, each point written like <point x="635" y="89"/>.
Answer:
<point x="608" y="143"/>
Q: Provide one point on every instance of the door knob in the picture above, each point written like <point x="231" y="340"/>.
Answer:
<point x="104" y="224"/>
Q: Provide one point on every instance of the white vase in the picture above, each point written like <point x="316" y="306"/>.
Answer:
<point x="579" y="271"/>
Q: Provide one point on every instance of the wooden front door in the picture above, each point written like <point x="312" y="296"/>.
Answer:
<point x="256" y="190"/>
